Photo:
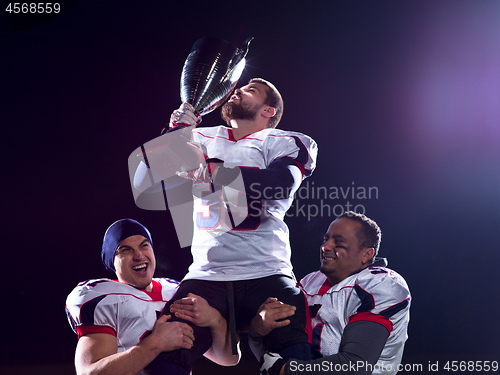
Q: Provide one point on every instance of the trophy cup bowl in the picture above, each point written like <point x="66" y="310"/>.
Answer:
<point x="210" y="73"/>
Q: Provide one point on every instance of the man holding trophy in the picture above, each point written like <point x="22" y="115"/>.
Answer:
<point x="243" y="181"/>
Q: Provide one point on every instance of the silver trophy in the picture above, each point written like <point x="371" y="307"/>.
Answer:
<point x="210" y="73"/>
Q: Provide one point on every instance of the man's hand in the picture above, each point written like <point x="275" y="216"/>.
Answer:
<point x="206" y="172"/>
<point x="195" y="309"/>
<point x="184" y="116"/>
<point x="270" y="314"/>
<point x="172" y="335"/>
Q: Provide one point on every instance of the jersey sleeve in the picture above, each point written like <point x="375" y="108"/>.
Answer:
<point x="362" y="343"/>
<point x="168" y="287"/>
<point x="383" y="296"/>
<point x="92" y="311"/>
<point x="298" y="147"/>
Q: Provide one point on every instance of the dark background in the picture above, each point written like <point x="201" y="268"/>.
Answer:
<point x="403" y="96"/>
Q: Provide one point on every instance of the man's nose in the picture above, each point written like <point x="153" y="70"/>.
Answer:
<point x="327" y="246"/>
<point x="138" y="254"/>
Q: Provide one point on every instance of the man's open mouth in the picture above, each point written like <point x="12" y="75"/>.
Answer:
<point x="328" y="258"/>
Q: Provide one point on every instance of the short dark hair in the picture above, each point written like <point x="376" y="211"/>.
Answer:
<point x="273" y="99"/>
<point x="370" y="235"/>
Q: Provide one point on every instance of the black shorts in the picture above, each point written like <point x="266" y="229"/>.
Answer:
<point x="248" y="296"/>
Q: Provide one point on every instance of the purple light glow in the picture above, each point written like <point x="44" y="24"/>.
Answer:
<point x="456" y="89"/>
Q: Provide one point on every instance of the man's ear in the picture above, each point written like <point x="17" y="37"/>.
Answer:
<point x="368" y="254"/>
<point x="268" y="111"/>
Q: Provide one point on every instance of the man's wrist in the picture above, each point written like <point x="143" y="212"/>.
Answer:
<point x="149" y="345"/>
<point x="218" y="324"/>
<point x="256" y="334"/>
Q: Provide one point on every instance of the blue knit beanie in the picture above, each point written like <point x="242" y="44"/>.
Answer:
<point x="115" y="234"/>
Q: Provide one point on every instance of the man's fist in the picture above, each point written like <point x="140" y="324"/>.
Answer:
<point x="205" y="173"/>
<point x="184" y="116"/>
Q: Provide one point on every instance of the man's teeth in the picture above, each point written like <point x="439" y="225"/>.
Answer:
<point x="328" y="258"/>
<point x="139" y="267"/>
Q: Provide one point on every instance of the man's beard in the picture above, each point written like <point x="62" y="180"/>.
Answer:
<point x="234" y="111"/>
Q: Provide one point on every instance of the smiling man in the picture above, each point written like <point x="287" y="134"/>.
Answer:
<point x="116" y="320"/>
<point x="359" y="309"/>
<point x="240" y="246"/>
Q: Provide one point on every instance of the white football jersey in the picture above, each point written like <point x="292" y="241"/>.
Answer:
<point x="108" y="306"/>
<point x="375" y="294"/>
<point x="257" y="245"/>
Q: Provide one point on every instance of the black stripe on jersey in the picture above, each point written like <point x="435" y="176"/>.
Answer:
<point x="390" y="311"/>
<point x="316" y="341"/>
<point x="313" y="310"/>
<point x="274" y="182"/>
<point x="92" y="283"/>
<point x="303" y="155"/>
<point x="367" y="301"/>
<point x="71" y="321"/>
<point x="87" y="310"/>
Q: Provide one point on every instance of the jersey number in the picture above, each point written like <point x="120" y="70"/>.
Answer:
<point x="216" y="208"/>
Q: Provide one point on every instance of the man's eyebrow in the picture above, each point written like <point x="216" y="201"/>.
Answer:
<point x="142" y="243"/>
<point x="339" y="237"/>
<point x="335" y="237"/>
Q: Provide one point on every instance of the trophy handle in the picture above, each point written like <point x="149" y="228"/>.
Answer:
<point x="240" y="53"/>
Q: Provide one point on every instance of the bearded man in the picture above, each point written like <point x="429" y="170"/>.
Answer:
<point x="239" y="260"/>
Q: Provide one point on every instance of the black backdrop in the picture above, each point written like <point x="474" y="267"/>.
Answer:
<point x="402" y="98"/>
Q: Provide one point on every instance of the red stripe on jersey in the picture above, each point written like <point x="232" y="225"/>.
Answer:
<point x="324" y="288"/>
<point x="248" y="167"/>
<point x="203" y="135"/>
<point x="253" y="139"/>
<point x="370" y="317"/>
<point x="301" y="167"/>
<point x="156" y="293"/>
<point x="279" y="135"/>
<point x="231" y="135"/>
<point x="85" y="330"/>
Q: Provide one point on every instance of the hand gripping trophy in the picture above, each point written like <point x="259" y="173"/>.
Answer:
<point x="209" y="76"/>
